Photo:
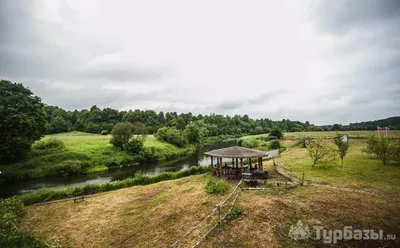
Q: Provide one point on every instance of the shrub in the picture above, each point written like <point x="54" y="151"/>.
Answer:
<point x="171" y="135"/>
<point x="275" y="144"/>
<point x="250" y="143"/>
<point x="149" y="155"/>
<point x="234" y="213"/>
<point x="134" y="146"/>
<point x="276" y="132"/>
<point x="383" y="149"/>
<point x="111" y="163"/>
<point x="68" y="168"/>
<point x="127" y="162"/>
<point x="11" y="210"/>
<point x="51" y="143"/>
<point x="216" y="185"/>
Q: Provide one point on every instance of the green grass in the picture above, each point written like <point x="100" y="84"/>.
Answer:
<point x="360" y="171"/>
<point x="84" y="153"/>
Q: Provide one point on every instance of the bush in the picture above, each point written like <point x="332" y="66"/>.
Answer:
<point x="216" y="185"/>
<point x="134" y="146"/>
<point x="383" y="149"/>
<point x="51" y="143"/>
<point x="250" y="143"/>
<point x="171" y="135"/>
<point x="11" y="210"/>
<point x="234" y="213"/>
<point x="276" y="132"/>
<point x="275" y="144"/>
<point x="68" y="168"/>
<point x="111" y="163"/>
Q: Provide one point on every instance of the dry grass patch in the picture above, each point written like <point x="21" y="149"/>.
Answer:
<point x="267" y="218"/>
<point x="146" y="216"/>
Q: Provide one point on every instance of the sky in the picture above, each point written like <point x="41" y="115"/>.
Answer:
<point x="320" y="61"/>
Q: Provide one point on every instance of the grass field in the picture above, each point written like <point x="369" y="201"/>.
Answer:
<point x="351" y="134"/>
<point x="360" y="171"/>
<point x="159" y="214"/>
<point x="90" y="152"/>
<point x="363" y="194"/>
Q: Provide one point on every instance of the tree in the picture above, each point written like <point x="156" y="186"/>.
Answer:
<point x="140" y="128"/>
<point x="121" y="134"/>
<point x="22" y="120"/>
<point x="382" y="148"/>
<point x="193" y="133"/>
<point x="276" y="132"/>
<point x="171" y="135"/>
<point x="57" y="125"/>
<point x="319" y="151"/>
<point x="336" y="127"/>
<point x="342" y="146"/>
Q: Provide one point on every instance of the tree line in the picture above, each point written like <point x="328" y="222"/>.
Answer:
<point x="96" y="120"/>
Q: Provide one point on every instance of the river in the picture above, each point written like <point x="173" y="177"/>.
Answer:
<point x="20" y="187"/>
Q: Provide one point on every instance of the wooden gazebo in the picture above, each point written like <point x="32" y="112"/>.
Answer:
<point x="237" y="154"/>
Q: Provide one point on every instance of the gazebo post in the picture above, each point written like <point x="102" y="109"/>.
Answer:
<point x="249" y="163"/>
<point x="212" y="162"/>
<point x="233" y="163"/>
<point x="241" y="163"/>
<point x="237" y="163"/>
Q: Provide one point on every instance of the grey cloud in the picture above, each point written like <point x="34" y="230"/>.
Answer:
<point x="339" y="17"/>
<point x="267" y="96"/>
<point x="229" y="105"/>
<point x="125" y="73"/>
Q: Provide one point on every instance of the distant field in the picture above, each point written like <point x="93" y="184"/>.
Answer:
<point x="352" y="134"/>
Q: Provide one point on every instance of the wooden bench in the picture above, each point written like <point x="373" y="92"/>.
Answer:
<point x="79" y="197"/>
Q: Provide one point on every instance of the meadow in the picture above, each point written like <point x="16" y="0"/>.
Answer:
<point x="363" y="194"/>
<point x="84" y="153"/>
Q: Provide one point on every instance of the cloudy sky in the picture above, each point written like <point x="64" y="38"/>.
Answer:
<point x="322" y="61"/>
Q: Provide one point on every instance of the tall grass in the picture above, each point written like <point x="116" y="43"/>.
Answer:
<point x="44" y="195"/>
<point x="216" y="185"/>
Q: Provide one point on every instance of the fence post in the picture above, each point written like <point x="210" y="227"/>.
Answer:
<point x="302" y="179"/>
<point x="219" y="214"/>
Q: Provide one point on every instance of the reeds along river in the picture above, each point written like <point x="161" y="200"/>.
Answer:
<point x="20" y="187"/>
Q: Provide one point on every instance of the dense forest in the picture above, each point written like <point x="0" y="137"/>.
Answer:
<point x="97" y="120"/>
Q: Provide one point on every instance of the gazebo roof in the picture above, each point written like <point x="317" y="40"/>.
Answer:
<point x="236" y="152"/>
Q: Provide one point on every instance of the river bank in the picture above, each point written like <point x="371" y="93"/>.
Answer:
<point x="84" y="153"/>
